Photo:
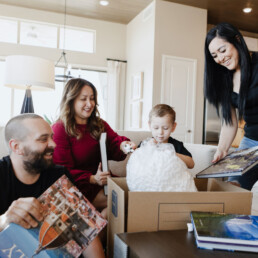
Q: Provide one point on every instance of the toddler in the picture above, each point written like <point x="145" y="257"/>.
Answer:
<point x="160" y="164"/>
<point x="162" y="123"/>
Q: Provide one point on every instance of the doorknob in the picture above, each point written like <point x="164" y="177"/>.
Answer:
<point x="189" y="131"/>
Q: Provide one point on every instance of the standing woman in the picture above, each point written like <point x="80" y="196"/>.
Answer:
<point x="231" y="85"/>
<point x="77" y="133"/>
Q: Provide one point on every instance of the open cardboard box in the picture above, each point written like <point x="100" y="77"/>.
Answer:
<point x="154" y="211"/>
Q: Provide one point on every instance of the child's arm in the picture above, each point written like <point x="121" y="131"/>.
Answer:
<point x="187" y="160"/>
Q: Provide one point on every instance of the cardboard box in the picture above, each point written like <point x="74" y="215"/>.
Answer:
<point x="154" y="211"/>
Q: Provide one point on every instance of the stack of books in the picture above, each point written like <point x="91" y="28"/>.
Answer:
<point x="225" y="231"/>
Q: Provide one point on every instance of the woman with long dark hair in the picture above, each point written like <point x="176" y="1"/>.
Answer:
<point x="231" y="85"/>
<point x="77" y="133"/>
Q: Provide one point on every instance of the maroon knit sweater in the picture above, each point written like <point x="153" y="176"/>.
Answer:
<point x="82" y="156"/>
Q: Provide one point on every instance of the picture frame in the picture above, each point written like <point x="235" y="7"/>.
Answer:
<point x="137" y="86"/>
<point x="136" y="115"/>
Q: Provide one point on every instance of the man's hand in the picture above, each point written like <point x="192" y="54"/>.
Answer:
<point x="101" y="176"/>
<point x="24" y="212"/>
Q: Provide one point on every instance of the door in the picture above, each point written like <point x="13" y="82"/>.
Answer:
<point x="178" y="89"/>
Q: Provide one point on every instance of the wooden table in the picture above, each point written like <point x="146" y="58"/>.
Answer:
<point x="166" y="244"/>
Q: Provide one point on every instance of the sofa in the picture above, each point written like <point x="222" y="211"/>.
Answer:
<point x="3" y="147"/>
<point x="202" y="154"/>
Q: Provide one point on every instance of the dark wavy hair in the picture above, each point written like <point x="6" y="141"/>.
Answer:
<point x="67" y="113"/>
<point x="218" y="80"/>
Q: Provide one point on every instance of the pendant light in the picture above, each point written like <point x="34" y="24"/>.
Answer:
<point x="67" y="73"/>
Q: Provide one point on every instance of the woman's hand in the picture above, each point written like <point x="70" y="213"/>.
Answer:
<point x="101" y="176"/>
<point x="219" y="155"/>
<point x="227" y="135"/>
<point x="127" y="147"/>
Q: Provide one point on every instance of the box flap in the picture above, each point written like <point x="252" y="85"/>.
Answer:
<point x="255" y="204"/>
<point x="121" y="182"/>
<point x="215" y="185"/>
<point x="201" y="183"/>
<point x="117" y="203"/>
<point x="153" y="211"/>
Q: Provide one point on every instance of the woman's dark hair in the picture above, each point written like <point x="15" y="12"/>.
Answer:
<point x="218" y="80"/>
<point x="67" y="113"/>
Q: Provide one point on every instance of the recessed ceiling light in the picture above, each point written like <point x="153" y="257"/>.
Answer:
<point x="247" y="10"/>
<point x="104" y="2"/>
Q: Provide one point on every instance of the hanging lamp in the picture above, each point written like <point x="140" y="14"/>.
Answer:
<point x="67" y="73"/>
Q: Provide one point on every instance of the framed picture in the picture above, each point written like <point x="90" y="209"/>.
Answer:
<point x="136" y="115"/>
<point x="137" y="86"/>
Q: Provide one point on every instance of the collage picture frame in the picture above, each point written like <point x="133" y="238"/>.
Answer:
<point x="136" y="100"/>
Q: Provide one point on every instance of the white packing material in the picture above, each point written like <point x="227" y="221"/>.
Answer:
<point x="156" y="168"/>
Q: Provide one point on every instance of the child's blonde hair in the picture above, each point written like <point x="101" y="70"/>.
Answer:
<point x="161" y="110"/>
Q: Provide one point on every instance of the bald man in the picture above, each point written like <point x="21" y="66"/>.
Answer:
<point x="27" y="172"/>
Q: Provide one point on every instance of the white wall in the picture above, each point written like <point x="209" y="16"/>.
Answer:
<point x="180" y="31"/>
<point x="110" y="37"/>
<point x="175" y="30"/>
<point x="252" y="43"/>
<point x="170" y="29"/>
<point x="140" y="58"/>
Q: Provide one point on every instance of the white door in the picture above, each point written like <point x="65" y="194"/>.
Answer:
<point x="178" y="90"/>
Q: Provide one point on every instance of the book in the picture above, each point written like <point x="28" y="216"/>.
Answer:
<point x="234" y="164"/>
<point x="225" y="231"/>
<point x="103" y="152"/>
<point x="70" y="223"/>
<point x="121" y="249"/>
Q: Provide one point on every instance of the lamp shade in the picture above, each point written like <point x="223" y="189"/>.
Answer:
<point x="27" y="71"/>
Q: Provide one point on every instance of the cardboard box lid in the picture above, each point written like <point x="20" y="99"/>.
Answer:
<point x="117" y="208"/>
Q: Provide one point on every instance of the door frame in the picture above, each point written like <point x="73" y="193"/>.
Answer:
<point x="162" y="93"/>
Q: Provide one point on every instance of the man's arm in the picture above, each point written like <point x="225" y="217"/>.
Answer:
<point x="24" y="212"/>
<point x="94" y="250"/>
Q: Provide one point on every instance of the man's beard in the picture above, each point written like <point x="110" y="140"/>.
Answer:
<point x="36" y="163"/>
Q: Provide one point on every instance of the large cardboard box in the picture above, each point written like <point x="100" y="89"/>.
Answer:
<point x="154" y="211"/>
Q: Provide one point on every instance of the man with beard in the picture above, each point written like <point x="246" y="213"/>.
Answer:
<point x="27" y="172"/>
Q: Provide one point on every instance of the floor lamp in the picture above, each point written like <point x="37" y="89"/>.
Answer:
<point x="28" y="72"/>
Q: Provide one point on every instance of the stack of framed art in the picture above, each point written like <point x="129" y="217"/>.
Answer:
<point x="136" y="100"/>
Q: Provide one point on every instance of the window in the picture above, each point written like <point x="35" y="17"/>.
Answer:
<point x="46" y="103"/>
<point x="77" y="40"/>
<point x="35" y="34"/>
<point x="5" y="97"/>
<point x="8" y="31"/>
<point x="46" y="35"/>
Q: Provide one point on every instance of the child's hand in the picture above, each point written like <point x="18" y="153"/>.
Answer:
<point x="154" y="140"/>
<point x="127" y="147"/>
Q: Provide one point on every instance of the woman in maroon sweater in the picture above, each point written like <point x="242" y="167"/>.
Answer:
<point x="77" y="133"/>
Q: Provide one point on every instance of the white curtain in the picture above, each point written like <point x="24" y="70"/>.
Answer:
<point x="116" y="94"/>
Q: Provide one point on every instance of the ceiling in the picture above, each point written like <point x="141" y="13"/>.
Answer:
<point x="123" y="11"/>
